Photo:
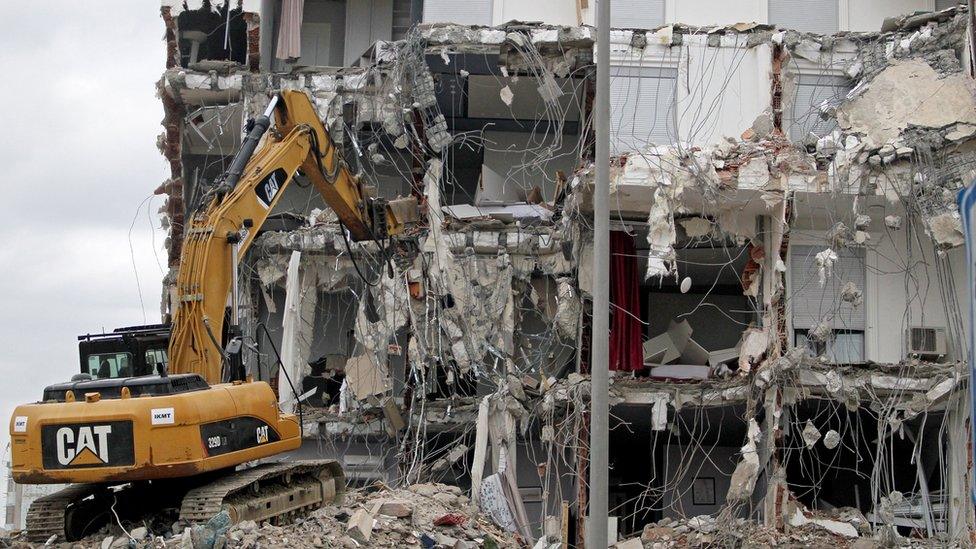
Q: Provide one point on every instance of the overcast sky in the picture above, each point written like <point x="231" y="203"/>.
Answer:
<point x="78" y="152"/>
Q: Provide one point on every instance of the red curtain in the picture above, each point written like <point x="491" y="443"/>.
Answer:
<point x="626" y="352"/>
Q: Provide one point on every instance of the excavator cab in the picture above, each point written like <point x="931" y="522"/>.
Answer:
<point x="125" y="352"/>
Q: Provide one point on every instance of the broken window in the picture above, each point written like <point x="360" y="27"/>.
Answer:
<point x="814" y="94"/>
<point x="471" y="12"/>
<point x="642" y="107"/>
<point x="818" y="16"/>
<point x="211" y="33"/>
<point x="826" y="297"/>
<point x="639" y="14"/>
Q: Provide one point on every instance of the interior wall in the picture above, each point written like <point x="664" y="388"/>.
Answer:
<point x="366" y="22"/>
<point x="720" y="90"/>
<point x="712" y="329"/>
<point x="897" y="299"/>
<point x="330" y="12"/>
<point x="515" y="157"/>
<point x="333" y="13"/>
<point x="679" y="497"/>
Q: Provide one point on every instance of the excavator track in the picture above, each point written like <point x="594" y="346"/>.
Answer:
<point x="269" y="492"/>
<point x="50" y="515"/>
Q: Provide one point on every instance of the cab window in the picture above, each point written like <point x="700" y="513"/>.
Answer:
<point x="155" y="357"/>
<point x="106" y="365"/>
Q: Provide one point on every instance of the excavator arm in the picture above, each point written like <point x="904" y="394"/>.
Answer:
<point x="222" y="230"/>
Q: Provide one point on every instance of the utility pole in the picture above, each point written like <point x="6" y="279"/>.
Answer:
<point x="596" y="534"/>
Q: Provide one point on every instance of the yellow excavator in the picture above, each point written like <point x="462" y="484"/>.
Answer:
<point x="177" y="437"/>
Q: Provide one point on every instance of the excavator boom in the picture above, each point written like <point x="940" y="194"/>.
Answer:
<point x="219" y="234"/>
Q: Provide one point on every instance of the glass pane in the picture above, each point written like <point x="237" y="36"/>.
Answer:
<point x="847" y="348"/>
<point x="155" y="358"/>
<point x="106" y="365"/>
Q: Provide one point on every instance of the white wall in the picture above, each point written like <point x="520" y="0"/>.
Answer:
<point x="902" y="284"/>
<point x="903" y="289"/>
<point x="720" y="90"/>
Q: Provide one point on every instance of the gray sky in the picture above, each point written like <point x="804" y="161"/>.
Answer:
<point x="78" y="151"/>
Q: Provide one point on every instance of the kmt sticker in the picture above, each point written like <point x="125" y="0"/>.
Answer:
<point x="20" y="424"/>
<point x="163" y="416"/>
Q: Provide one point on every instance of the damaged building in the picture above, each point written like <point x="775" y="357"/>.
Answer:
<point x="788" y="343"/>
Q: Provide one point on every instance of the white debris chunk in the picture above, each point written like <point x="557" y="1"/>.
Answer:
<point x="825" y="265"/>
<point x="850" y="293"/>
<point x="506" y="95"/>
<point x="696" y="226"/>
<point x="754" y="344"/>
<point x="831" y="439"/>
<point x="810" y="434"/>
<point x="743" y="480"/>
<point x="845" y="529"/>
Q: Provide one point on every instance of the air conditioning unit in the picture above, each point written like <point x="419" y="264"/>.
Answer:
<point x="927" y="342"/>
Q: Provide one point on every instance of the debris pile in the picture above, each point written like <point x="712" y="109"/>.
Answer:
<point x="423" y="515"/>
<point x="709" y="531"/>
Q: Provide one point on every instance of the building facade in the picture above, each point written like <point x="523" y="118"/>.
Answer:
<point x="788" y="337"/>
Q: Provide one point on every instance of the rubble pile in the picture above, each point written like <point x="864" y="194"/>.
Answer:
<point x="709" y="531"/>
<point x="423" y="515"/>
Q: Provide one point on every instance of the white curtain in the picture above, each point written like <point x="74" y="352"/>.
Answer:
<point x="290" y="30"/>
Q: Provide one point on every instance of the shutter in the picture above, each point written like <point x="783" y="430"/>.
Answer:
<point x="642" y="107"/>
<point x="810" y="303"/>
<point x="468" y="12"/>
<point x="639" y="14"/>
<point x="817" y="16"/>
<point x="943" y="4"/>
<point x="803" y="113"/>
<point x="405" y="15"/>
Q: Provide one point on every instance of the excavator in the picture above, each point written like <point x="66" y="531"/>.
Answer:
<point x="186" y="436"/>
